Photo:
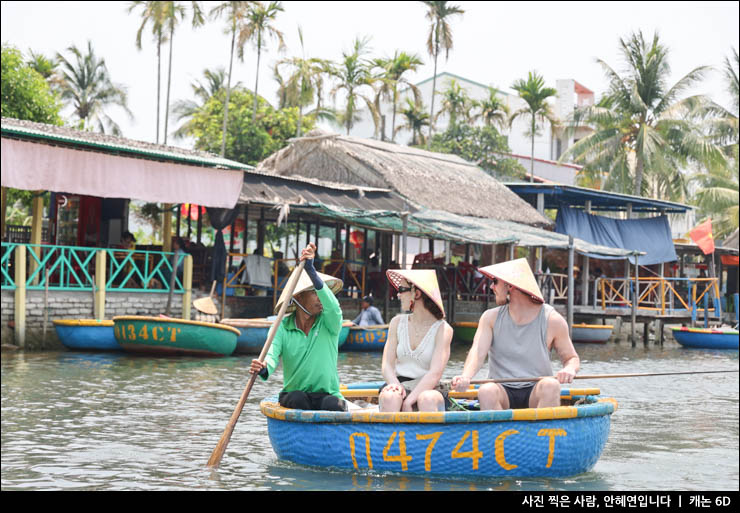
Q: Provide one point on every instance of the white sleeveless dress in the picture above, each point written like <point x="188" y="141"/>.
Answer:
<point x="414" y="363"/>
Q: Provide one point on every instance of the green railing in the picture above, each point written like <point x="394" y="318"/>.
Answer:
<point x="73" y="268"/>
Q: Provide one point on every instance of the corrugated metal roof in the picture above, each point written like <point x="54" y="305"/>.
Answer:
<point x="267" y="189"/>
<point x="41" y="132"/>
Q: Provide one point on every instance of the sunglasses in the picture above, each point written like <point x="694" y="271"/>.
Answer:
<point x="402" y="289"/>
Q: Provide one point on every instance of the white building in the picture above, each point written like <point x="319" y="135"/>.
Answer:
<point x="549" y="144"/>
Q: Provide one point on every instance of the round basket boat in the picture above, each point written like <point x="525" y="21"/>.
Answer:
<point x="253" y="333"/>
<point x="591" y="333"/>
<point x="366" y="338"/>
<point x="87" y="334"/>
<point x="706" y="338"/>
<point x="170" y="336"/>
<point x="533" y="442"/>
<point x="464" y="331"/>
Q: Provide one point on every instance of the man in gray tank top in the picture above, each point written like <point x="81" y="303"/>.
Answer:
<point x="517" y="336"/>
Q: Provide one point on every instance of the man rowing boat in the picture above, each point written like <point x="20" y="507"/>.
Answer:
<point x="517" y="336"/>
<point x="307" y="342"/>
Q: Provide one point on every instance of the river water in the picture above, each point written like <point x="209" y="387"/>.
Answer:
<point x="106" y="421"/>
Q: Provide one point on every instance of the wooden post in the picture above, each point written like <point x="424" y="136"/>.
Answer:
<point x="4" y="208"/>
<point x="187" y="283"/>
<point x="100" y="279"/>
<point x="20" y="296"/>
<point x="635" y="300"/>
<point x="167" y="228"/>
<point x="571" y="284"/>
<point x="37" y="210"/>
<point x="586" y="268"/>
<point x="405" y="218"/>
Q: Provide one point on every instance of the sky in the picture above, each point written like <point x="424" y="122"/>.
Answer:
<point x="494" y="43"/>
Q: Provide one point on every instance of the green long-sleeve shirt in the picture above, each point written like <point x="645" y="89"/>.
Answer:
<point x="309" y="362"/>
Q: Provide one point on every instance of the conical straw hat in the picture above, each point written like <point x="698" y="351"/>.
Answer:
<point x="304" y="284"/>
<point x="516" y="273"/>
<point x="424" y="280"/>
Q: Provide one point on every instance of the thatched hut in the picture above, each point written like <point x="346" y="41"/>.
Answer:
<point x="433" y="180"/>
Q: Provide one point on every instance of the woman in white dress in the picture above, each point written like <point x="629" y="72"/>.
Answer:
<point x="418" y="345"/>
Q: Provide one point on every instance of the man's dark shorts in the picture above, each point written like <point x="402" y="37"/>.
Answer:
<point x="311" y="401"/>
<point x="518" y="397"/>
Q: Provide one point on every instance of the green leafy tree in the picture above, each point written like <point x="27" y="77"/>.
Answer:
<point x="535" y="95"/>
<point x="246" y="141"/>
<point x="415" y="117"/>
<point x="183" y="110"/>
<point x="439" y="14"/>
<point x="25" y="93"/>
<point x="484" y="146"/>
<point x="257" y="28"/>
<point x="455" y="103"/>
<point x="492" y="110"/>
<point x="86" y="85"/>
<point x="236" y="13"/>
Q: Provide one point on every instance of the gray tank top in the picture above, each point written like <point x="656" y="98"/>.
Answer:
<point x="519" y="351"/>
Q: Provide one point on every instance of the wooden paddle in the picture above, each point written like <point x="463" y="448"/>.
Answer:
<point x="218" y="452"/>
<point x="205" y="304"/>
<point x="595" y="376"/>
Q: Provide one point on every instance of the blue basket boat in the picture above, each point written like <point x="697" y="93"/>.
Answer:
<point x="706" y="338"/>
<point x="366" y="338"/>
<point x="87" y="334"/>
<point x="533" y="442"/>
<point x="591" y="333"/>
<point x="253" y="333"/>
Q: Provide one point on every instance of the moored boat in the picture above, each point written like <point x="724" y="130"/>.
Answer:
<point x="593" y="333"/>
<point x="464" y="331"/>
<point x="533" y="442"/>
<point x="366" y="338"/>
<point x="706" y="338"/>
<point x="253" y="333"/>
<point x="171" y="336"/>
<point x="86" y="334"/>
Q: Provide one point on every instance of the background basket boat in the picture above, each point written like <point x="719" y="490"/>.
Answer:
<point x="253" y="333"/>
<point x="87" y="334"/>
<point x="541" y="442"/>
<point x="366" y="338"/>
<point x="593" y="333"/>
<point x="706" y="338"/>
<point x="170" y="336"/>
<point x="464" y="331"/>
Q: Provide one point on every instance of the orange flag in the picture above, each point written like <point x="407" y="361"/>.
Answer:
<point x="702" y="236"/>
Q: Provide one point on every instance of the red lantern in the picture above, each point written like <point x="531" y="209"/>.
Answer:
<point x="357" y="239"/>
<point x="194" y="211"/>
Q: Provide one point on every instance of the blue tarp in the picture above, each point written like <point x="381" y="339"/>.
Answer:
<point x="650" y="235"/>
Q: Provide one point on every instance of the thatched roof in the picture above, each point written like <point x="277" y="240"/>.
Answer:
<point x="433" y="180"/>
<point x="732" y="240"/>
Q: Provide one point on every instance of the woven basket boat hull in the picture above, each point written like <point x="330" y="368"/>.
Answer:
<point x="169" y="336"/>
<point x="546" y="442"/>
<point x="86" y="334"/>
<point x="591" y="333"/>
<point x="366" y="338"/>
<point x="706" y="338"/>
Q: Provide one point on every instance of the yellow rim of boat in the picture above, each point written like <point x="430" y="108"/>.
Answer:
<point x="175" y="320"/>
<point x="465" y="324"/>
<point x="592" y="326"/>
<point x="83" y="322"/>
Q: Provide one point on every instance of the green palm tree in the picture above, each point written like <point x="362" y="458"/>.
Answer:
<point x="417" y="118"/>
<point x="354" y="77"/>
<point x="87" y="85"/>
<point x="214" y="83"/>
<point x="152" y="13"/>
<point x="492" y="110"/>
<point x="174" y="13"/>
<point x="440" y="38"/>
<point x="535" y="95"/>
<point x="391" y="77"/>
<point x="455" y="103"/>
<point x="304" y="85"/>
<point x="236" y="13"/>
<point x="644" y="130"/>
<point x="258" y="26"/>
